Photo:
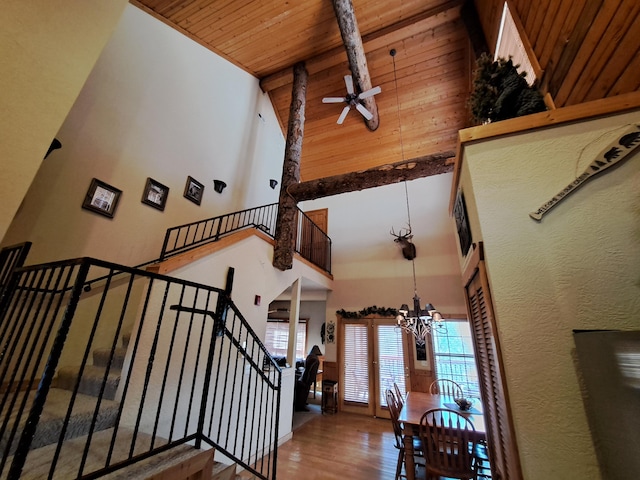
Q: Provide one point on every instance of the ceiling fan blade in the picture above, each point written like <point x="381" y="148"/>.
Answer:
<point x="343" y="115"/>
<point x="370" y="93"/>
<point x="365" y="113"/>
<point x="349" y="83"/>
<point x="333" y="100"/>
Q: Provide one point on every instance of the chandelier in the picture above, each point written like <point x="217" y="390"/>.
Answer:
<point x="417" y="322"/>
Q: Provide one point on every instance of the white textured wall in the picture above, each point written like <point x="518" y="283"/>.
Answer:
<point x="156" y="105"/>
<point x="579" y="268"/>
<point x="253" y="275"/>
<point x="47" y="49"/>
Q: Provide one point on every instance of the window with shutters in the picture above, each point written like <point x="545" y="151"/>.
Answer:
<point x="454" y="355"/>
<point x="505" y="460"/>
<point x="510" y="44"/>
<point x="356" y="363"/>
<point x="277" y="338"/>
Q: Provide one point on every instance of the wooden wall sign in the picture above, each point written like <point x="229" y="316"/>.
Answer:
<point x="611" y="155"/>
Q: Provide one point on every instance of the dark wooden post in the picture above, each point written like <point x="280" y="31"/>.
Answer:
<point x="352" y="40"/>
<point x="287" y="211"/>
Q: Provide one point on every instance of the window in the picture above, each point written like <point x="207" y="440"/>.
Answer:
<point x="454" y="356"/>
<point x="277" y="339"/>
<point x="510" y="44"/>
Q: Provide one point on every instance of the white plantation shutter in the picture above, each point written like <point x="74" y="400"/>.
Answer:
<point x="356" y="368"/>
<point x="390" y="360"/>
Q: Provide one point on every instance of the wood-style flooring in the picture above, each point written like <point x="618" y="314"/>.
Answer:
<point x="338" y="447"/>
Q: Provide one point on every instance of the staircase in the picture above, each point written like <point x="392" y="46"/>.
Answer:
<point x="154" y="407"/>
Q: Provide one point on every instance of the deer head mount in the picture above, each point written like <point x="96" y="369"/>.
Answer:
<point x="404" y="239"/>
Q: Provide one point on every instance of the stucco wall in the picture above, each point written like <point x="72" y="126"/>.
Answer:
<point x="579" y="268"/>
<point x="47" y="51"/>
<point x="156" y="105"/>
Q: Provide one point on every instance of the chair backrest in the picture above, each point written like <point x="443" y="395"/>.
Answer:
<point x="399" y="397"/>
<point x="444" y="386"/>
<point x="394" y="411"/>
<point x="312" y="363"/>
<point x="449" y="441"/>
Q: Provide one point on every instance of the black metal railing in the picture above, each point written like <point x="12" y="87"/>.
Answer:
<point x="11" y="257"/>
<point x="96" y="377"/>
<point x="311" y="242"/>
<point x="191" y="235"/>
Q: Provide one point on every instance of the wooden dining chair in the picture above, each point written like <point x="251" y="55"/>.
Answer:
<point x="449" y="442"/>
<point x="399" y="397"/>
<point x="394" y="411"/>
<point x="444" y="386"/>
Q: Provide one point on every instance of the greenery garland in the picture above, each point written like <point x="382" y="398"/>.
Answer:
<point x="385" y="312"/>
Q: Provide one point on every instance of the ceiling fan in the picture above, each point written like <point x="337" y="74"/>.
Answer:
<point x="353" y="100"/>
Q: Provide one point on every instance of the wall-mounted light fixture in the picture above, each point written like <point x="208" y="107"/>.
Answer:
<point x="219" y="185"/>
<point x="54" y="146"/>
<point x="273" y="183"/>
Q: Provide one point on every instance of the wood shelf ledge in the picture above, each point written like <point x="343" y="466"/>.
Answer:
<point x="549" y="118"/>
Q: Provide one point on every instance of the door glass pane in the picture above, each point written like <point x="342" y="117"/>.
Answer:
<point x="390" y="360"/>
<point x="356" y="369"/>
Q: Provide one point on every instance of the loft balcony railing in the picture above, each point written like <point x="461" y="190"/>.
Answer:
<point x="311" y="242"/>
<point x="97" y="375"/>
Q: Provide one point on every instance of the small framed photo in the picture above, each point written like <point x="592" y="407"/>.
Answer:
<point x="155" y="194"/>
<point x="193" y="190"/>
<point x="102" y="198"/>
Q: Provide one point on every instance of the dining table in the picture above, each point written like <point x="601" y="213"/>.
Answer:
<point x="415" y="404"/>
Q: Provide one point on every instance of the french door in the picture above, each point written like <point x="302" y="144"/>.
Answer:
<point x="373" y="357"/>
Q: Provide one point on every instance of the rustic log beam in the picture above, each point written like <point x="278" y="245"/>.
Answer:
<point x="373" y="177"/>
<point x="417" y="24"/>
<point x="471" y="20"/>
<point x="352" y="40"/>
<point x="286" y="223"/>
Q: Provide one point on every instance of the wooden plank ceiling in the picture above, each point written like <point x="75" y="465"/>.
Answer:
<point x="588" y="49"/>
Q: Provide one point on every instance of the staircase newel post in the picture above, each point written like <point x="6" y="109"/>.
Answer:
<point x="219" y="321"/>
<point x="31" y="424"/>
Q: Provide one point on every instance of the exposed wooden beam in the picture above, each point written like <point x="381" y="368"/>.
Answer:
<point x="386" y="36"/>
<point x="375" y="177"/>
<point x="346" y="16"/>
<point x="287" y="210"/>
<point x="471" y="20"/>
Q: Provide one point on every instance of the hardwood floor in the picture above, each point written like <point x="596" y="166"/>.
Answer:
<point x="338" y="447"/>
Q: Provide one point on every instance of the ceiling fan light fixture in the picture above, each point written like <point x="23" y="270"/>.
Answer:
<point x="353" y="100"/>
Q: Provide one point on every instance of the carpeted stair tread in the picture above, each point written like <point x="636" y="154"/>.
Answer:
<point x="39" y="461"/>
<point x="92" y="379"/>
<point x="101" y="357"/>
<point x="54" y="413"/>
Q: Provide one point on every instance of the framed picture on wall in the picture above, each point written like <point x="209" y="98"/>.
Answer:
<point x="462" y="223"/>
<point x="155" y="194"/>
<point x="102" y="198"/>
<point x="193" y="190"/>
